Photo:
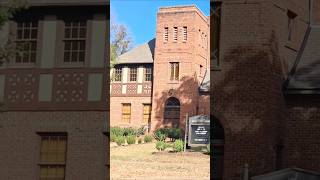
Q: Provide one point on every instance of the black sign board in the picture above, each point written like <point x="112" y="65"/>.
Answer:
<point x="199" y="130"/>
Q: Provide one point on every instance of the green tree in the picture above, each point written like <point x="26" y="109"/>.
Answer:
<point x="7" y="11"/>
<point x="7" y="49"/>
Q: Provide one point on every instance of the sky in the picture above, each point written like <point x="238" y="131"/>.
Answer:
<point x="140" y="15"/>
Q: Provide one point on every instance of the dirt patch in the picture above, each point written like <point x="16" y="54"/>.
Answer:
<point x="143" y="161"/>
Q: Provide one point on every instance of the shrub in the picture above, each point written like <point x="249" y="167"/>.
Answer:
<point x="140" y="131"/>
<point x="139" y="141"/>
<point x="129" y="131"/>
<point x="161" y="145"/>
<point x="161" y="134"/>
<point x="120" y="140"/>
<point x="147" y="138"/>
<point x="174" y="133"/>
<point x="208" y="148"/>
<point x="178" y="145"/>
<point x="116" y="131"/>
<point x="131" y="139"/>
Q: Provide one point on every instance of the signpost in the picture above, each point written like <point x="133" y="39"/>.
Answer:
<point x="199" y="130"/>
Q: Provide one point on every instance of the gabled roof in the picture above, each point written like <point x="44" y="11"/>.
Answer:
<point x="140" y="54"/>
<point x="305" y="76"/>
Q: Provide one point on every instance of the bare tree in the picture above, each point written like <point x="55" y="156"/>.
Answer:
<point x="120" y="42"/>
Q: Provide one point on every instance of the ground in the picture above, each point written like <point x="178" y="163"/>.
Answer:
<point x="143" y="161"/>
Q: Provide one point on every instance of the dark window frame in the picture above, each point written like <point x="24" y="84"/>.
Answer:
<point x="133" y="74"/>
<point x="47" y="164"/>
<point x="174" y="71"/>
<point x="123" y="119"/>
<point x="118" y="74"/>
<point x="148" y="74"/>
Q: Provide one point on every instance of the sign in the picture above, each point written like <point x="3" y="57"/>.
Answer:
<point x="199" y="130"/>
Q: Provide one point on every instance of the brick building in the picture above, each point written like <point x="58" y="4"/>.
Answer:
<point x="265" y="94"/>
<point x="156" y="84"/>
<point x="53" y="94"/>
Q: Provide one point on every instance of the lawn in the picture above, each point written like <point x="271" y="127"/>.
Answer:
<point x="143" y="161"/>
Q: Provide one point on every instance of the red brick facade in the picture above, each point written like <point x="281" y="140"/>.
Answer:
<point x="262" y="127"/>
<point x="190" y="50"/>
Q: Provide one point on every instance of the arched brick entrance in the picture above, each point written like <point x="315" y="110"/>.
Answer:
<point x="172" y="112"/>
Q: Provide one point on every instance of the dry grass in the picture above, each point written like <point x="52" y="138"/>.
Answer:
<point x="143" y="161"/>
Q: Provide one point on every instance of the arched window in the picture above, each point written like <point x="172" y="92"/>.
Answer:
<point x="172" y="112"/>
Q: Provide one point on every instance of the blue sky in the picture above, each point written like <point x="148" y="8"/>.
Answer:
<point x="140" y="15"/>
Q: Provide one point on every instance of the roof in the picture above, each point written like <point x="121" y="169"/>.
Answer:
<point x="140" y="54"/>
<point x="205" y="84"/>
<point x="61" y="2"/>
<point x="305" y="76"/>
<point x="290" y="173"/>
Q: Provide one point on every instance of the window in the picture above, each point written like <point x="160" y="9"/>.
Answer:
<point x="148" y="74"/>
<point x="291" y="23"/>
<point x="185" y="33"/>
<point x="166" y="34"/>
<point x="146" y="113"/>
<point x="215" y="40"/>
<point x="26" y="42"/>
<point x="53" y="156"/>
<point x="75" y="41"/>
<point x="133" y="74"/>
<point x="174" y="71"/>
<point x="126" y="113"/>
<point x="175" y="33"/>
<point x="117" y="74"/>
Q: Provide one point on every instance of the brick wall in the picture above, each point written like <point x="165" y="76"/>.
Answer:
<point x="136" y="110"/>
<point x="20" y="150"/>
<point x="246" y="95"/>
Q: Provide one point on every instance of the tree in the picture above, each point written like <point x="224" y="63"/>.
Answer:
<point x="7" y="49"/>
<point x="120" y="42"/>
<point x="7" y="11"/>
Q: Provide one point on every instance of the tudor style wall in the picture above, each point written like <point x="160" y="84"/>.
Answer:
<point x="256" y="57"/>
<point x="51" y="97"/>
<point x="189" y="54"/>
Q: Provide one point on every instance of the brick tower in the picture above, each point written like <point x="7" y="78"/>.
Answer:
<point x="181" y="60"/>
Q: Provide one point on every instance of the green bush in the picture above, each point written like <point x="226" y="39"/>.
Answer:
<point x="120" y="140"/>
<point x="139" y="141"/>
<point x="116" y="131"/>
<point x="174" y="133"/>
<point x="140" y="131"/>
<point x="129" y="131"/>
<point x="147" y="138"/>
<point x="161" y="134"/>
<point x="131" y="139"/>
<point x="161" y="145"/>
<point x="178" y="145"/>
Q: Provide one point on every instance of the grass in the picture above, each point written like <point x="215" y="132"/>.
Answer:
<point x="143" y="161"/>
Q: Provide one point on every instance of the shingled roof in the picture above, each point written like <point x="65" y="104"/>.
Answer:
<point x="140" y="54"/>
<point x="305" y="76"/>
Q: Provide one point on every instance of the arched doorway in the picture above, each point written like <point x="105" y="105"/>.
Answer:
<point x="217" y="141"/>
<point x="172" y="112"/>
